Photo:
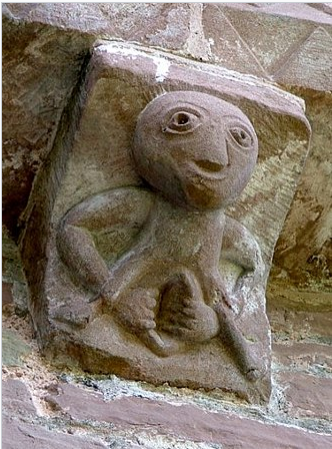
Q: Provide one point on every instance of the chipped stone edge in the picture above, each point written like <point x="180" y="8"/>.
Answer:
<point x="163" y="61"/>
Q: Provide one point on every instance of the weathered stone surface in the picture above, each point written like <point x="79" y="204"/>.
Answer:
<point x="290" y="44"/>
<point x="282" y="295"/>
<point x="186" y="421"/>
<point x="14" y="288"/>
<point x="16" y="435"/>
<point x="228" y="48"/>
<point x="303" y="371"/>
<point x="310" y="12"/>
<point x="7" y="297"/>
<point x="304" y="250"/>
<point x="310" y="66"/>
<point x="51" y="40"/>
<point x="43" y="50"/>
<point x="16" y="399"/>
<point x="112" y="83"/>
<point x="14" y="349"/>
<point x="307" y="395"/>
<point x="303" y="356"/>
<point x="165" y="25"/>
<point x="271" y="41"/>
<point x="41" y="66"/>
<point x="289" y="322"/>
<point x="285" y="43"/>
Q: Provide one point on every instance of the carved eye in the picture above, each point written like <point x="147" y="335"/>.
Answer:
<point x="242" y="137"/>
<point x="182" y="122"/>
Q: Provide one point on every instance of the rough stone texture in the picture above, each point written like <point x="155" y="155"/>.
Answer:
<point x="14" y="289"/>
<point x="41" y="65"/>
<point x="287" y="43"/>
<point x="112" y="82"/>
<point x="16" y="435"/>
<point x="16" y="399"/>
<point x="14" y="349"/>
<point x="122" y="414"/>
<point x="310" y="65"/>
<point x="303" y="371"/>
<point x="300" y="318"/>
<point x="294" y="298"/>
<point x="304" y="249"/>
<point x="165" y="25"/>
<point x="262" y="41"/>
<point x="309" y="322"/>
<point x="308" y="395"/>
<point x="185" y="421"/>
<point x="7" y="297"/>
<point x="310" y="357"/>
<point x="290" y="44"/>
<point x="44" y="47"/>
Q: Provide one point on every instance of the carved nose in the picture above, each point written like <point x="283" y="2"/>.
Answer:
<point x="216" y="159"/>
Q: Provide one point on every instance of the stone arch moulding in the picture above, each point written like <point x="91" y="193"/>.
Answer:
<point x="141" y="258"/>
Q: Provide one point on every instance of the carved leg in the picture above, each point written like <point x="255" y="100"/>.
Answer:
<point x="230" y="333"/>
<point x="249" y="364"/>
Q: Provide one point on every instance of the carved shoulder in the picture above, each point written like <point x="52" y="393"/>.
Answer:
<point x="122" y="206"/>
<point x="241" y="247"/>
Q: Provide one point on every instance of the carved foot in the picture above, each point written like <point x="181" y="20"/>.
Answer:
<point x="183" y="312"/>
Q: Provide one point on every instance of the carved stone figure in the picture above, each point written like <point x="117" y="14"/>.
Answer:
<point x="195" y="153"/>
<point x="135" y="241"/>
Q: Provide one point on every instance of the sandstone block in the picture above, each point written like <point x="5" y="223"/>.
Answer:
<point x="308" y="396"/>
<point x="184" y="421"/>
<point x="92" y="156"/>
<point x="291" y="45"/>
<point x="16" y="399"/>
<point x="18" y="434"/>
<point x="14" y="348"/>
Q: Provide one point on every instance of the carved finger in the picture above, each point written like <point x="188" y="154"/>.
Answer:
<point x="148" y="314"/>
<point x="146" y="324"/>
<point x="178" y="331"/>
<point x="190" y="324"/>
<point x="189" y="312"/>
<point x="150" y="302"/>
<point x="172" y="329"/>
<point x="193" y="302"/>
<point x="186" y="323"/>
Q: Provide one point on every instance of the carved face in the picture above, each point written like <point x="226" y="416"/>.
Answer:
<point x="194" y="148"/>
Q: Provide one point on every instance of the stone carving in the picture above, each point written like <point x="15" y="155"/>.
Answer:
<point x="196" y="153"/>
<point x="135" y="241"/>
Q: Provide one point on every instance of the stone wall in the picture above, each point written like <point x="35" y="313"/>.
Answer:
<point x="45" y="50"/>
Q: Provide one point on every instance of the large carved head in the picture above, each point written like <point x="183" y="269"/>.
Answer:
<point x="194" y="148"/>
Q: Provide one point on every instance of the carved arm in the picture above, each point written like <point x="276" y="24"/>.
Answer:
<point x="74" y="238"/>
<point x="240" y="247"/>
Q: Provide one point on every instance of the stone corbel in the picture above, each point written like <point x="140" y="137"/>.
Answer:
<point x="150" y="229"/>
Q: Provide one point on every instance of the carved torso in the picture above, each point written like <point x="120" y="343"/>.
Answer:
<point x="196" y="153"/>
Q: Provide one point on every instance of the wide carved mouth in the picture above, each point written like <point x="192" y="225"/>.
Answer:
<point x="209" y="166"/>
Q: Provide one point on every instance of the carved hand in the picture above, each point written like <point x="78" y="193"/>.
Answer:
<point x="184" y="313"/>
<point x="196" y="322"/>
<point x="136" y="309"/>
